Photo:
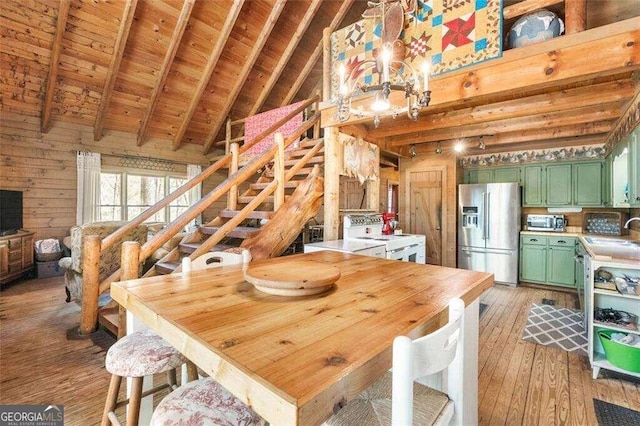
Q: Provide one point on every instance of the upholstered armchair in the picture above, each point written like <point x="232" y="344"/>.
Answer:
<point x="109" y="260"/>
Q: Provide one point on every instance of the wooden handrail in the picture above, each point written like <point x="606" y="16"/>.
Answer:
<point x="89" y="307"/>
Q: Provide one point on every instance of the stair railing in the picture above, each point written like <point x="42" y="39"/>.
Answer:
<point x="93" y="246"/>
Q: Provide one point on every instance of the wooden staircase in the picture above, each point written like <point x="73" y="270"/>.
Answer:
<point x="283" y="174"/>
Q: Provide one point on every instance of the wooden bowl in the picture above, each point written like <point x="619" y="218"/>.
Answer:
<point x="298" y="278"/>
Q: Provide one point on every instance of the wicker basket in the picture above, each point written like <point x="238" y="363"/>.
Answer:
<point x="48" y="257"/>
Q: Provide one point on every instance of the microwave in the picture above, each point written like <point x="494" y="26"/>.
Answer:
<point x="546" y="222"/>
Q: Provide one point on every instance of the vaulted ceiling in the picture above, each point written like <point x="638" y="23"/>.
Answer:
<point x="176" y="69"/>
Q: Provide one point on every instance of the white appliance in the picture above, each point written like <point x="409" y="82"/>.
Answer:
<point x="348" y="246"/>
<point x="368" y="228"/>
<point x="488" y="229"/>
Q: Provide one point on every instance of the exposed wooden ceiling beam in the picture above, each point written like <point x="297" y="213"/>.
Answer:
<point x="176" y="37"/>
<point x="601" y="52"/>
<point x="52" y="78"/>
<point x="538" y="104"/>
<point x="232" y="16"/>
<point x="244" y="72"/>
<point x="610" y="111"/>
<point x="304" y="73"/>
<point x="286" y="55"/>
<point x="527" y="6"/>
<point x="118" y="50"/>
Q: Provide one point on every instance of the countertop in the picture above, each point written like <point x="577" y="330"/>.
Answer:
<point x="623" y="253"/>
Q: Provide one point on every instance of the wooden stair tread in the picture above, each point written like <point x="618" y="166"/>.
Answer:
<point x="228" y="214"/>
<point x="246" y="199"/>
<point x="164" y="268"/>
<point x="237" y="232"/>
<point x="303" y="171"/>
<point x="108" y="318"/>
<point x="191" y="247"/>
<point x="312" y="160"/>
<point x="262" y="185"/>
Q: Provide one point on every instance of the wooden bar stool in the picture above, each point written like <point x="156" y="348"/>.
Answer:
<point x="137" y="355"/>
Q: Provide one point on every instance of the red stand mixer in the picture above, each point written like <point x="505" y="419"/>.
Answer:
<point x="389" y="223"/>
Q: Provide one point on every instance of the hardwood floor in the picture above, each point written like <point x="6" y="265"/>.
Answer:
<point x="520" y="382"/>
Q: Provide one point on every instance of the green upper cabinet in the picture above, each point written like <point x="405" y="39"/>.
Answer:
<point x="607" y="196"/>
<point x="533" y="184"/>
<point x="634" y="168"/>
<point x="506" y="174"/>
<point x="587" y="184"/>
<point x="558" y="185"/>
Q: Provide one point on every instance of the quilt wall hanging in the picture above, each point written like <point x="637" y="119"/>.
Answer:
<point x="449" y="34"/>
<point x="256" y="124"/>
<point x="360" y="159"/>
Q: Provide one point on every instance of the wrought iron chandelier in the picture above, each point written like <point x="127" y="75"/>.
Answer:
<point x="394" y="75"/>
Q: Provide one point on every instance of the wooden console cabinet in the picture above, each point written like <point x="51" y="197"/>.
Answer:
<point x="16" y="255"/>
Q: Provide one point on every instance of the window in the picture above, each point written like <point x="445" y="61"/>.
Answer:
<point x="123" y="196"/>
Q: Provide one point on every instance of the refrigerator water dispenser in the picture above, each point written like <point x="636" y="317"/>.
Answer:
<point x="469" y="217"/>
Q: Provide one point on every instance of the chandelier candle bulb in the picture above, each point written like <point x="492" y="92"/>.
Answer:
<point x="425" y="72"/>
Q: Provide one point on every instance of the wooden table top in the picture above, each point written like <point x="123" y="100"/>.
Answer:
<point x="297" y="359"/>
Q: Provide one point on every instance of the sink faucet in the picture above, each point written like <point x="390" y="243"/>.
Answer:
<point x="626" y="225"/>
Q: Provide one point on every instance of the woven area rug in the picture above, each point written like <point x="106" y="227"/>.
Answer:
<point x="615" y="415"/>
<point x="558" y="327"/>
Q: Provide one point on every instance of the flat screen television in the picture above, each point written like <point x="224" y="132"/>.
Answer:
<point x="10" y="211"/>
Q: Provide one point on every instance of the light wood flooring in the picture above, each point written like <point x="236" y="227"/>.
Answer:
<point x="520" y="382"/>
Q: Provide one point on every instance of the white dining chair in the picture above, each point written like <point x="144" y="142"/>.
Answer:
<point x="423" y="387"/>
<point x="215" y="259"/>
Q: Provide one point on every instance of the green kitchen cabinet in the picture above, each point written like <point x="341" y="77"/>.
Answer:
<point x="533" y="263"/>
<point x="558" y="185"/>
<point x="587" y="184"/>
<point x="607" y="197"/>
<point x="479" y="176"/>
<point x="506" y="174"/>
<point x="634" y="167"/>
<point x="548" y="260"/>
<point x="533" y="186"/>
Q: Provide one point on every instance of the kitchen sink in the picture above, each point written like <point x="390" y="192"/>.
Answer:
<point x="615" y="248"/>
<point x="611" y="242"/>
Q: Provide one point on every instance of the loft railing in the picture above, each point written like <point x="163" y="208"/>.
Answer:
<point x="93" y="245"/>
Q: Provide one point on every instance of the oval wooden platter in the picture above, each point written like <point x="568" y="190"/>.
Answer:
<point x="299" y="278"/>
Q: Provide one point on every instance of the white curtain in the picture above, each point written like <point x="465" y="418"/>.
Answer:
<point x="88" y="205"/>
<point x="195" y="194"/>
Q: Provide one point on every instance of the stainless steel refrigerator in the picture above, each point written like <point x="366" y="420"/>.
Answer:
<point x="489" y="229"/>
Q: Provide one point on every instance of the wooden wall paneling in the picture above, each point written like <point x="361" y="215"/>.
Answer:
<point x="176" y="37"/>
<point x="43" y="166"/>
<point x="212" y="61"/>
<point x="112" y="73"/>
<point x="56" y="47"/>
<point x="242" y="74"/>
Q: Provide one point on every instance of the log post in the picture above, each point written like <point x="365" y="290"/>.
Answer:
<point x="373" y="188"/>
<point x="129" y="261"/>
<point x="331" y="183"/>
<point x="575" y="16"/>
<point x="232" y="197"/>
<point x="316" y="126"/>
<point x="326" y="65"/>
<point x="90" y="283"/>
<point x="278" y="172"/>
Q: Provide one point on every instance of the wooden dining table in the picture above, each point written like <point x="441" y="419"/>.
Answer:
<point x="297" y="360"/>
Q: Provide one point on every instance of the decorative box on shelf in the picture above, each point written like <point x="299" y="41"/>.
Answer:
<point x="604" y="223"/>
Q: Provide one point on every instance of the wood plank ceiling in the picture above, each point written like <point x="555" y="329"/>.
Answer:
<point x="175" y="69"/>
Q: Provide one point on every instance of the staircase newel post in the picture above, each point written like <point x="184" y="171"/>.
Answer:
<point x="90" y="283"/>
<point x="227" y="140"/>
<point x="130" y="264"/>
<point x="232" y="198"/>
<point x="278" y="172"/>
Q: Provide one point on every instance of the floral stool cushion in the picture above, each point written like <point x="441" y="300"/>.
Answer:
<point x="141" y="354"/>
<point x="201" y="403"/>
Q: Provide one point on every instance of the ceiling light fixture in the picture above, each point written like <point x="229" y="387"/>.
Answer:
<point x="481" y="144"/>
<point x="439" y="148"/>
<point x="394" y="74"/>
<point x="458" y="147"/>
<point x="412" y="151"/>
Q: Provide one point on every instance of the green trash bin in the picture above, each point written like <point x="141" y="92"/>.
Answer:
<point x="621" y="355"/>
